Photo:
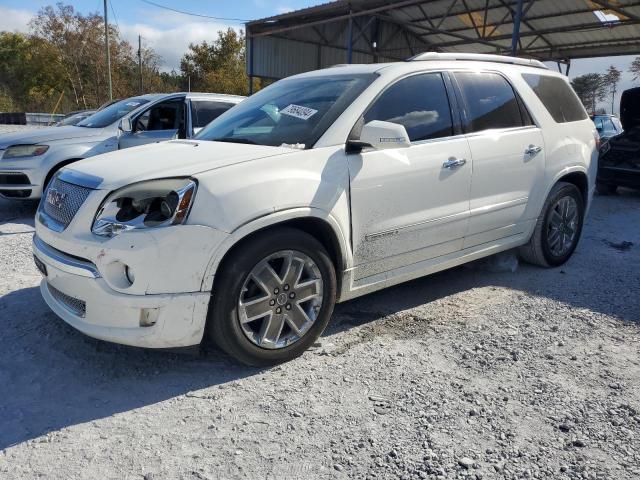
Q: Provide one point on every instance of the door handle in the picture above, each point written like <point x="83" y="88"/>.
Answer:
<point x="454" y="163"/>
<point x="533" y="150"/>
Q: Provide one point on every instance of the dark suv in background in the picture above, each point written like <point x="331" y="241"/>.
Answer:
<point x="619" y="163"/>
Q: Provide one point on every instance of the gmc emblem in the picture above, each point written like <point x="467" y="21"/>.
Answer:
<point x="55" y="198"/>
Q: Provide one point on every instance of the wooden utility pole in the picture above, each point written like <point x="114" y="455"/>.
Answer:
<point x="140" y="63"/>
<point x="108" y="53"/>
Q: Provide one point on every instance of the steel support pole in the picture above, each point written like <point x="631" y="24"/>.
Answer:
<point x="515" y="37"/>
<point x="250" y="65"/>
<point x="108" y="53"/>
<point x="350" y="40"/>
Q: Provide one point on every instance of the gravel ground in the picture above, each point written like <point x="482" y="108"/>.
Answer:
<point x="477" y="372"/>
<point x="17" y="128"/>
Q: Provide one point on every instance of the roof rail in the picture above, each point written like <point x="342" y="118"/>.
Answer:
<point x="477" y="57"/>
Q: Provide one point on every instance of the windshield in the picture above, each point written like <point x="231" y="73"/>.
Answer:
<point x="292" y="112"/>
<point x="110" y="114"/>
<point x="73" y="119"/>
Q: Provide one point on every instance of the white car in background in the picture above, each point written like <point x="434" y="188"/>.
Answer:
<point x="29" y="159"/>
<point x="320" y="188"/>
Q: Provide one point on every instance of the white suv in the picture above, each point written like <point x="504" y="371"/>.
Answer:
<point x="320" y="188"/>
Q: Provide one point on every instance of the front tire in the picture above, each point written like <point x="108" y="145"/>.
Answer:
<point x="272" y="297"/>
<point x="558" y="228"/>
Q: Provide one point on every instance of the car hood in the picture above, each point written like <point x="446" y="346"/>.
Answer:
<point x="630" y="108"/>
<point x="177" y="158"/>
<point x="49" y="134"/>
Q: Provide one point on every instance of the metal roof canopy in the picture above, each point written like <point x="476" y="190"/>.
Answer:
<point x="371" y="31"/>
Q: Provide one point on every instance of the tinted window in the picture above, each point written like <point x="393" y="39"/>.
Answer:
<point x="419" y="103"/>
<point x="291" y="111"/>
<point x="557" y="96"/>
<point x="113" y="112"/>
<point x="203" y="112"/>
<point x="489" y="100"/>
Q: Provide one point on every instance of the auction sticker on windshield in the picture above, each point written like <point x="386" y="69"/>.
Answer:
<point x="304" y="113"/>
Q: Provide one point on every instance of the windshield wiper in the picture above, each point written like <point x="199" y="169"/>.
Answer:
<point x="235" y="140"/>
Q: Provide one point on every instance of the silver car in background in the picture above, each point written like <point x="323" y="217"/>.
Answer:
<point x="28" y="159"/>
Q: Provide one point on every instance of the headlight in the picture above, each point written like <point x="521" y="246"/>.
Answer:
<point x="19" y="151"/>
<point x="151" y="204"/>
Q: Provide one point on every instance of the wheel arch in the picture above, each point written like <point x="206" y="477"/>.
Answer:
<point x="575" y="175"/>
<point x="317" y="223"/>
<point x="55" y="168"/>
<point x="580" y="180"/>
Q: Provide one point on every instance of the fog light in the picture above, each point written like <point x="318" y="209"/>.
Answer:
<point x="148" y="317"/>
<point x="129" y="274"/>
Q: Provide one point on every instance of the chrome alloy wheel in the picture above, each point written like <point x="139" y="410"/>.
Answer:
<point x="280" y="299"/>
<point x="562" y="228"/>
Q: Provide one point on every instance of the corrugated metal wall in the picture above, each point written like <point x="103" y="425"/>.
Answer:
<point x="303" y="50"/>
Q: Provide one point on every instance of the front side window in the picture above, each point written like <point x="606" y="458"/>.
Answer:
<point x="557" y="96"/>
<point x="490" y="102"/>
<point x="294" y="111"/>
<point x="419" y="103"/>
<point x="112" y="113"/>
<point x="163" y="116"/>
<point x="204" y="112"/>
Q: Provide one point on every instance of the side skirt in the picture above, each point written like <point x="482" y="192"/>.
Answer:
<point x="355" y="288"/>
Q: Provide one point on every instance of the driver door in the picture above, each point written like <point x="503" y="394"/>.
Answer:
<point x="411" y="204"/>
<point x="161" y="122"/>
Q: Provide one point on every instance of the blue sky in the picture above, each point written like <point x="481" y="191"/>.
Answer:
<point x="169" y="33"/>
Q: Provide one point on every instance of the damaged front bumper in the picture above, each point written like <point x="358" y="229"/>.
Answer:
<point x="77" y="293"/>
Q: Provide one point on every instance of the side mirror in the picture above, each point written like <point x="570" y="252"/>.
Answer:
<point x="125" y="125"/>
<point x="380" y="136"/>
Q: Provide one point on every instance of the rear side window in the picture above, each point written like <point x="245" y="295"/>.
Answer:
<point x="490" y="102"/>
<point x="419" y="103"/>
<point x="557" y="97"/>
<point x="203" y="112"/>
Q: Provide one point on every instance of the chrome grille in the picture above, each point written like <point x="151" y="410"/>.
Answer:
<point x="62" y="201"/>
<point x="74" y="305"/>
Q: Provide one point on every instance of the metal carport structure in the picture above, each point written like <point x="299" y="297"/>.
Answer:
<point x="369" y="31"/>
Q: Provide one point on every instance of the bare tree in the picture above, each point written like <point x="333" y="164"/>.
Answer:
<point x="611" y="81"/>
<point x="634" y="68"/>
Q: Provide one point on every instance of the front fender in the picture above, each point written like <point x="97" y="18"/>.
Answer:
<point x="242" y="198"/>
<point x="271" y="220"/>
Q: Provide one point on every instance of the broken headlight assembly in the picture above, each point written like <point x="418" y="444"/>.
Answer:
<point x="150" y="204"/>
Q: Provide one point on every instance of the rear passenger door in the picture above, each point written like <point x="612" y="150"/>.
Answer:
<point x="508" y="156"/>
<point x="411" y="204"/>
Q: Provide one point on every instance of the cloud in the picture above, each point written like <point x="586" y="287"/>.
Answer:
<point x="171" y="41"/>
<point x="169" y="35"/>
<point x="284" y="9"/>
<point x="14" y="20"/>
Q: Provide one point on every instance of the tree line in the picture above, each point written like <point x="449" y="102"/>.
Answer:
<point x="593" y="88"/>
<point x="60" y="64"/>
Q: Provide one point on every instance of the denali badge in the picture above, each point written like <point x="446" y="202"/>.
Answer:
<point x="55" y="198"/>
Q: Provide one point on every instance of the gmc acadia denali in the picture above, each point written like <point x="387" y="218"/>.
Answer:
<point x="320" y="188"/>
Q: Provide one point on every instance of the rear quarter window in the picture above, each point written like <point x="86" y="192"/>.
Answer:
<point x="557" y="96"/>
<point x="204" y="112"/>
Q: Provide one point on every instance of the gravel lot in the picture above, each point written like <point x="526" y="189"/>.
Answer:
<point x="17" y="128"/>
<point x="477" y="372"/>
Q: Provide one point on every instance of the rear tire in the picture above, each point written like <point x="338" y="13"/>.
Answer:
<point x="558" y="228"/>
<point x="260" y="280"/>
<point x="606" y="188"/>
